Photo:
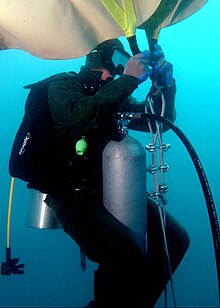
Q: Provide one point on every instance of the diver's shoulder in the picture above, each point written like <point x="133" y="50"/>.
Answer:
<point x="65" y="75"/>
<point x="55" y="77"/>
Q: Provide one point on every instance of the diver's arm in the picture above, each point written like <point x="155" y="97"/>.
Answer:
<point x="163" y="71"/>
<point x="72" y="109"/>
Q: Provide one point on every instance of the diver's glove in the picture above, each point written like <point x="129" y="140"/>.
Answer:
<point x="138" y="66"/>
<point x="163" y="68"/>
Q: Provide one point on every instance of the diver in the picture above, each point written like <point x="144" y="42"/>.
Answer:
<point x="68" y="107"/>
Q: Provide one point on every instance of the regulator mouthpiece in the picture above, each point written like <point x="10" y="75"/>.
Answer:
<point x="81" y="146"/>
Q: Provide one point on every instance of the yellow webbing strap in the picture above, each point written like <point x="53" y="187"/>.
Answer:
<point x="9" y="212"/>
<point x="125" y="18"/>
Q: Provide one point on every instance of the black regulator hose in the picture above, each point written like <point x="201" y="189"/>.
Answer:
<point x="132" y="40"/>
<point x="205" y="187"/>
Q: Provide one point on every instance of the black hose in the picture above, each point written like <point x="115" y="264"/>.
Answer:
<point x="197" y="163"/>
<point x="205" y="187"/>
<point x="133" y="45"/>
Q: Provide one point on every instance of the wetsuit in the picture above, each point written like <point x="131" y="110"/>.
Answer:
<point x="79" y="106"/>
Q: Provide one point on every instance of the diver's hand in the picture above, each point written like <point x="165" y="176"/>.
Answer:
<point x="163" y="68"/>
<point x="138" y="66"/>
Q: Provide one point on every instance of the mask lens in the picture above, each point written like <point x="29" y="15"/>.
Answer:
<point x="120" y="59"/>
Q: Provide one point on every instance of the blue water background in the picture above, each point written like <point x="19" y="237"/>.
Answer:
<point x="53" y="277"/>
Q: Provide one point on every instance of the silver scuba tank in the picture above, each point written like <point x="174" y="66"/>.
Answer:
<point x="124" y="185"/>
<point x="39" y="215"/>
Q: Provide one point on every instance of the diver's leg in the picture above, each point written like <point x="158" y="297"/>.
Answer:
<point x="119" y="278"/>
<point x="153" y="277"/>
<point x="178" y="243"/>
<point x="123" y="269"/>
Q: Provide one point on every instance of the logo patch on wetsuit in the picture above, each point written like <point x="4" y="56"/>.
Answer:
<point x="22" y="149"/>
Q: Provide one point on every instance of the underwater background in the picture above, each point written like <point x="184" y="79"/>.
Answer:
<point x="53" y="277"/>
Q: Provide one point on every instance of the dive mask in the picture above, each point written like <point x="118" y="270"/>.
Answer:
<point x="119" y="60"/>
<point x="113" y="60"/>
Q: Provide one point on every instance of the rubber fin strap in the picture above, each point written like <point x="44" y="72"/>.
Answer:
<point x="213" y="218"/>
<point x="125" y="18"/>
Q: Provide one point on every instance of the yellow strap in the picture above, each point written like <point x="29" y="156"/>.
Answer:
<point x="9" y="213"/>
<point x="125" y="18"/>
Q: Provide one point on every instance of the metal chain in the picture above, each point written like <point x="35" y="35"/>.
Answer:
<point x="157" y="148"/>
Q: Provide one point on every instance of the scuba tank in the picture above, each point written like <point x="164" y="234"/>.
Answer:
<point x="39" y="215"/>
<point x="124" y="185"/>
